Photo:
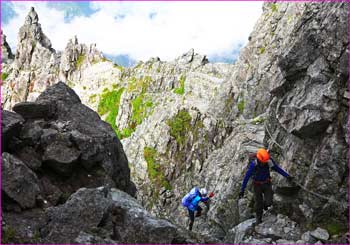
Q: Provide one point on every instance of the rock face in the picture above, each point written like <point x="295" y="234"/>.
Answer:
<point x="287" y="88"/>
<point x="190" y="123"/>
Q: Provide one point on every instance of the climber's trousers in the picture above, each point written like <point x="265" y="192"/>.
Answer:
<point x="191" y="215"/>
<point x="263" y="199"/>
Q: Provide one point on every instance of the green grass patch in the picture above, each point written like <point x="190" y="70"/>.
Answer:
<point x="179" y="125"/>
<point x="241" y="105"/>
<point x="181" y="89"/>
<point x="274" y="7"/>
<point x="262" y="50"/>
<point x="335" y="228"/>
<point x="4" y="75"/>
<point x="109" y="103"/>
<point x="141" y="108"/>
<point x="154" y="169"/>
<point x="141" y="105"/>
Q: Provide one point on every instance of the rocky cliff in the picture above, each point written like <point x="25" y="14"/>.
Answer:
<point x="287" y="91"/>
<point x="66" y="178"/>
<point x="190" y="123"/>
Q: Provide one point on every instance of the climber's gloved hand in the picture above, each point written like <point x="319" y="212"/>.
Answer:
<point x="211" y="194"/>
<point x="290" y="178"/>
<point x="241" y="195"/>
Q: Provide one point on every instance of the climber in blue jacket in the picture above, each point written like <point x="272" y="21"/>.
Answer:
<point x="259" y="169"/>
<point x="191" y="202"/>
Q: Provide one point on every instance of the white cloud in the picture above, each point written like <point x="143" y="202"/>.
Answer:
<point x="212" y="28"/>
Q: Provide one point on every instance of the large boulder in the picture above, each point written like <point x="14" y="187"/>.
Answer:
<point x="67" y="141"/>
<point x="83" y="211"/>
<point x="136" y="220"/>
<point x="90" y="214"/>
<point x="19" y="182"/>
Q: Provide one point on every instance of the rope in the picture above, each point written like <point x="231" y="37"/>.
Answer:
<point x="272" y="139"/>
<point x="331" y="200"/>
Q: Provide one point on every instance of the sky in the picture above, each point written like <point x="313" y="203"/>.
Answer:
<point x="141" y="30"/>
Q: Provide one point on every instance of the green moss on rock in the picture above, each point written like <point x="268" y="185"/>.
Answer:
<point x="4" y="75"/>
<point x="335" y="228"/>
<point x="154" y="170"/>
<point x="109" y="103"/>
<point x="181" y="89"/>
<point x="240" y="105"/>
<point x="8" y="235"/>
<point x="141" y="105"/>
<point x="274" y="7"/>
<point x="262" y="50"/>
<point x="179" y="125"/>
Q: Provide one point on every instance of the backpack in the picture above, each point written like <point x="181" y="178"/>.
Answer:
<point x="186" y="200"/>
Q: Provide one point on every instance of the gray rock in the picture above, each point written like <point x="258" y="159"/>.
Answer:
<point x="279" y="227"/>
<point x="83" y="211"/>
<point x="30" y="157"/>
<point x="6" y="53"/>
<point x="19" y="182"/>
<point x="320" y="234"/>
<point x="86" y="138"/>
<point x="50" y="192"/>
<point x="85" y="238"/>
<point x="137" y="221"/>
<point x="240" y="232"/>
<point x="283" y="241"/>
<point x="61" y="158"/>
<point x="59" y="92"/>
<point x="34" y="110"/>
<point x="23" y="226"/>
<point x="11" y="125"/>
<point x="31" y="133"/>
<point x="86" y="217"/>
<point x="308" y="238"/>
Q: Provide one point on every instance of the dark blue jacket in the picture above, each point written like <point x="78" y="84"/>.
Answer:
<point x="261" y="172"/>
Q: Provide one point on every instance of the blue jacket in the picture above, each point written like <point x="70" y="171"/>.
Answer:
<point x="261" y="172"/>
<point x="194" y="203"/>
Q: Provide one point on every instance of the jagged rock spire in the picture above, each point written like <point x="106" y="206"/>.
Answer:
<point x="6" y="53"/>
<point x="31" y="37"/>
<point x="32" y="17"/>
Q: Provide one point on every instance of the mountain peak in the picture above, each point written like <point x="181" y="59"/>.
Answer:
<point x="33" y="45"/>
<point x="32" y="17"/>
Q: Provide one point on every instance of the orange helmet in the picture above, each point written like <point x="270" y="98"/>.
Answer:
<point x="262" y="155"/>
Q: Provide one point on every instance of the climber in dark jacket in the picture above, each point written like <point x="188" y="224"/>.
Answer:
<point x="259" y="168"/>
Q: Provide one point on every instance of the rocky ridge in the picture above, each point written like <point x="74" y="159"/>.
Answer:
<point x="189" y="122"/>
